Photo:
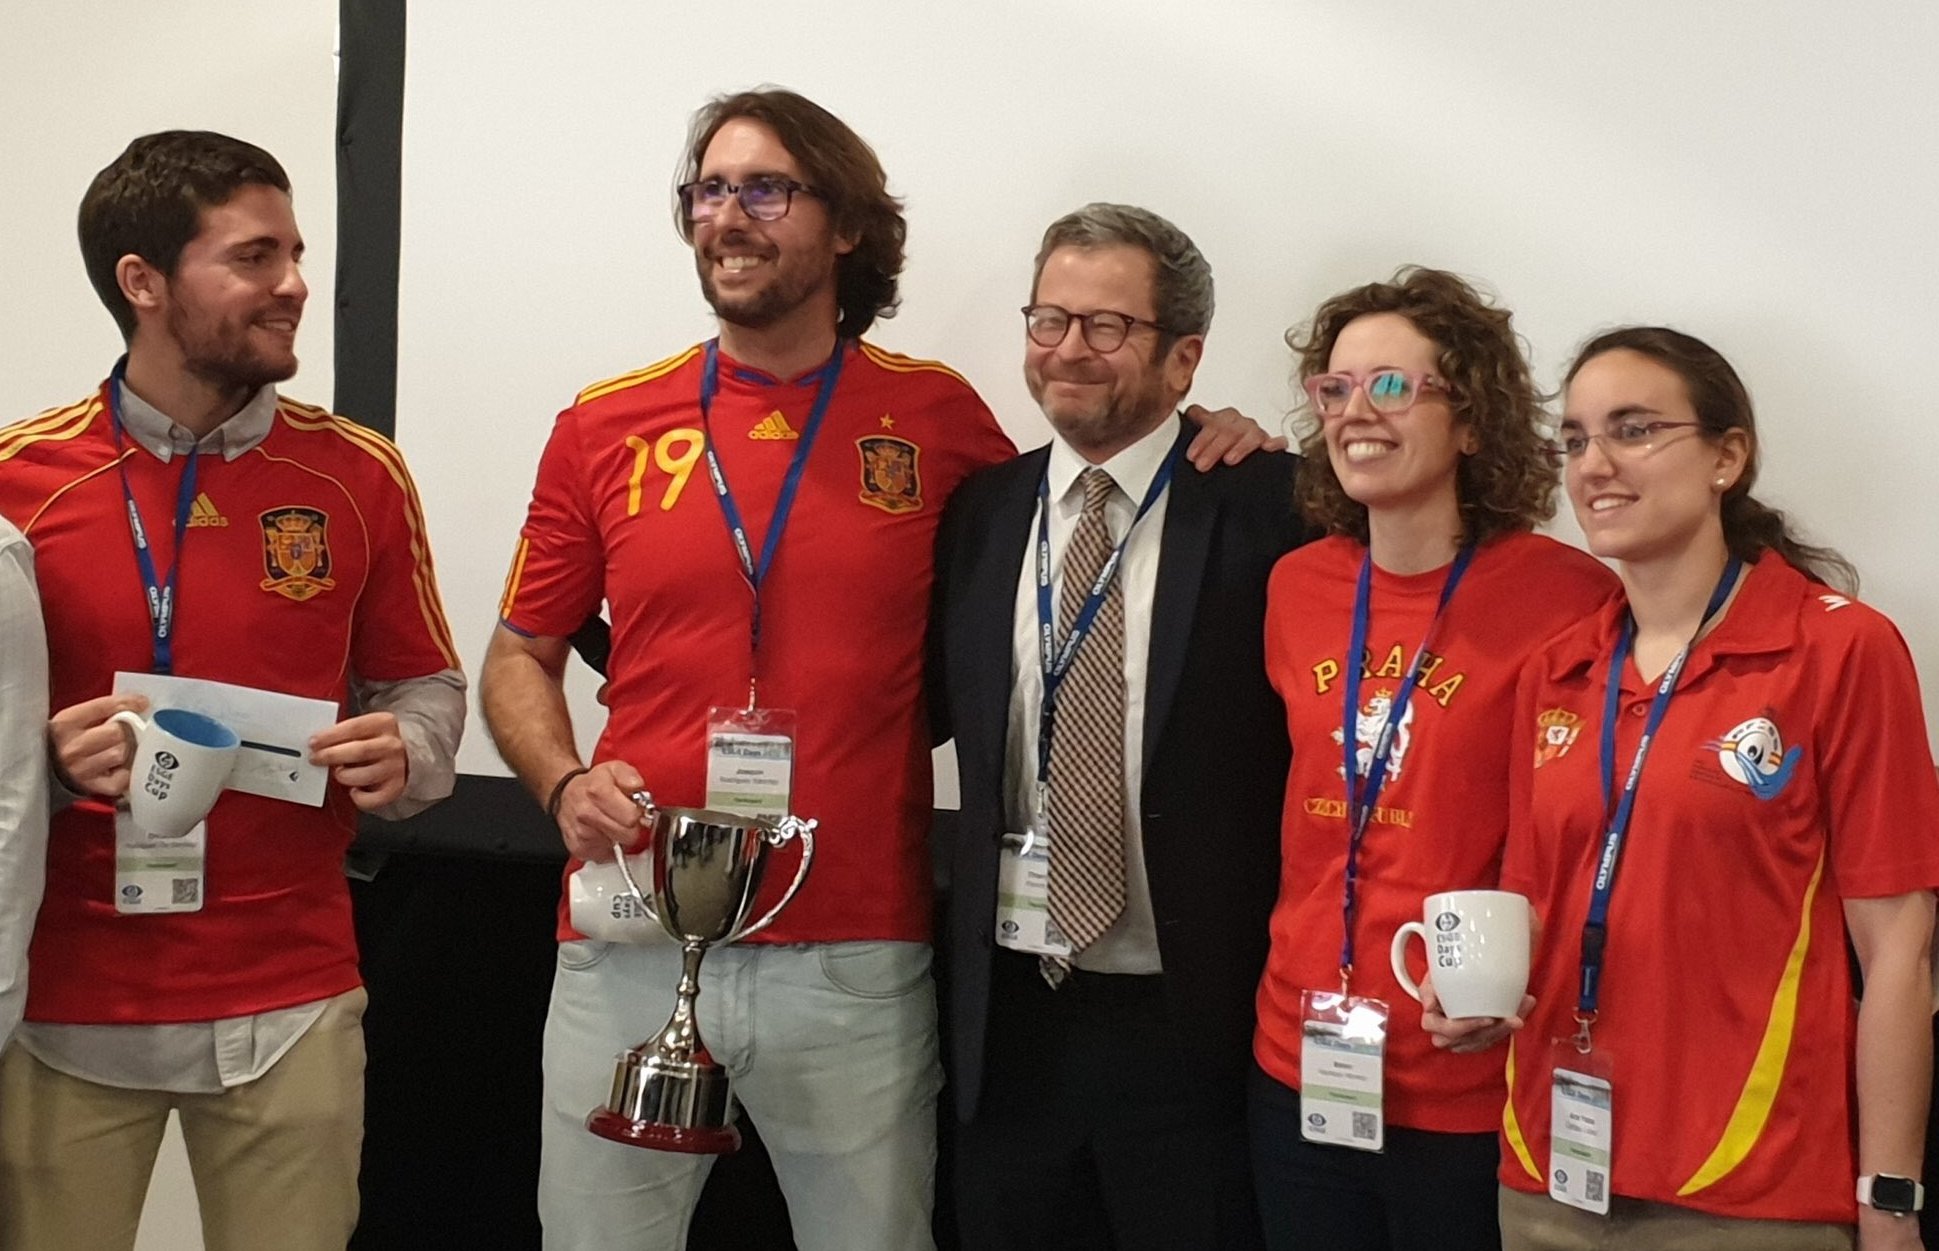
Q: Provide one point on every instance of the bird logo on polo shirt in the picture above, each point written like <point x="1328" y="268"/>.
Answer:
<point x="1753" y="754"/>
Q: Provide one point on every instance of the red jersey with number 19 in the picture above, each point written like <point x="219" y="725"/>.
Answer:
<point x="624" y="512"/>
<point x="304" y="560"/>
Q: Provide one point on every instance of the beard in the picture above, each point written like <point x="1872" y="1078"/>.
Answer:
<point x="791" y="282"/>
<point x="222" y="354"/>
<point x="1118" y="419"/>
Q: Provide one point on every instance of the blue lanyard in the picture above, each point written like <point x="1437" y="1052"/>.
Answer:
<point x="1057" y="660"/>
<point x="158" y="591"/>
<point x="756" y="573"/>
<point x="1595" y="931"/>
<point x="1364" y="798"/>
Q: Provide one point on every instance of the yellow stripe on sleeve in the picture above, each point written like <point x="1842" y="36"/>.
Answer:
<point x="385" y="453"/>
<point x="506" y="600"/>
<point x="658" y="369"/>
<point x="897" y="363"/>
<point x="55" y="425"/>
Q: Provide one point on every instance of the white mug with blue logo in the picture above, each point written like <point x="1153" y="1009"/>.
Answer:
<point x="181" y="762"/>
<point x="1477" y="951"/>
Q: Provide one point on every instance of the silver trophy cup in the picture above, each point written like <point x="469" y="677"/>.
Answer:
<point x="668" y="1093"/>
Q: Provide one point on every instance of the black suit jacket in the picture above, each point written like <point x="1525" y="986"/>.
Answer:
<point x="1215" y="748"/>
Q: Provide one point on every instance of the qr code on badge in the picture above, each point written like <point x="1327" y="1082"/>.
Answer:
<point x="1363" y="1127"/>
<point x="1593" y="1181"/>
<point x="186" y="890"/>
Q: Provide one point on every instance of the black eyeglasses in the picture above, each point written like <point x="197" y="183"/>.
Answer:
<point x="1104" y="330"/>
<point x="763" y="197"/>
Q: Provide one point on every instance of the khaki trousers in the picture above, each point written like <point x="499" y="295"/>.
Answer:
<point x="274" y="1160"/>
<point x="1539" y="1223"/>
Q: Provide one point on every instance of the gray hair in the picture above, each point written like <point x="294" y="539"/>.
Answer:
<point x="1182" y="280"/>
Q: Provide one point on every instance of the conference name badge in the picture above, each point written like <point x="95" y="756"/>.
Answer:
<point x="154" y="873"/>
<point x="1580" y="1136"/>
<point x="750" y="761"/>
<point x="1023" y="920"/>
<point x="1342" y="1058"/>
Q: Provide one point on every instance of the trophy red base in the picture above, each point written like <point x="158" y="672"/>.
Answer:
<point x="669" y="1095"/>
<point x="694" y="1140"/>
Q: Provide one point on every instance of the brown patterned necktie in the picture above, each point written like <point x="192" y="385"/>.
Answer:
<point x="1087" y="748"/>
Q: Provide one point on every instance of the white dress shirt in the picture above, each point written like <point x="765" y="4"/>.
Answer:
<point x="23" y="768"/>
<point x="1131" y="944"/>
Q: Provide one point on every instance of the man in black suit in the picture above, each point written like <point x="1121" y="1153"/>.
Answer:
<point x="1110" y="892"/>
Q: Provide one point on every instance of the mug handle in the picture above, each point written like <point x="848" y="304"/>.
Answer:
<point x="1398" y="956"/>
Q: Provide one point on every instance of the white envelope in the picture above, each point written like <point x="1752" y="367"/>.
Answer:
<point x="275" y="729"/>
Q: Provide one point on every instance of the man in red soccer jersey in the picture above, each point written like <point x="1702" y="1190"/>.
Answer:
<point x="187" y="520"/>
<point x="752" y="583"/>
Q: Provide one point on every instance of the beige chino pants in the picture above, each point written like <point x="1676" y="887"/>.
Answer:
<point x="274" y="1160"/>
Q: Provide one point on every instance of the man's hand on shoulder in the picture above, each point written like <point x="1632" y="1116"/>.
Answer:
<point x="366" y="755"/>
<point x="1227" y="436"/>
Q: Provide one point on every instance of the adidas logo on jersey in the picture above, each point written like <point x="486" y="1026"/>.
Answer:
<point x="773" y="426"/>
<point x="203" y="512"/>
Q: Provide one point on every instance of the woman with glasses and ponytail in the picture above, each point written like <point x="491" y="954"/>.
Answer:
<point x="1395" y="643"/>
<point x="1719" y="777"/>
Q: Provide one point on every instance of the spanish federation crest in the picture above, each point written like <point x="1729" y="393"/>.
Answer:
<point x="296" y="552"/>
<point x="889" y="478"/>
<point x="1556" y="731"/>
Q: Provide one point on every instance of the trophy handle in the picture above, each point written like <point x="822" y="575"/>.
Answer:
<point x="643" y="898"/>
<point x="783" y="831"/>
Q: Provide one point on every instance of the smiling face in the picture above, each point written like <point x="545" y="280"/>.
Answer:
<point x="1645" y="503"/>
<point x="1102" y="402"/>
<point x="759" y="274"/>
<point x="231" y="308"/>
<point x="1399" y="462"/>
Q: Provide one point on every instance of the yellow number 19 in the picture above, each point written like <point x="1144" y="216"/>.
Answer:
<point x="676" y="453"/>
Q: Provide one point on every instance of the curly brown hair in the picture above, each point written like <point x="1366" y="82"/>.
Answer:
<point x="1509" y="483"/>
<point x="842" y="167"/>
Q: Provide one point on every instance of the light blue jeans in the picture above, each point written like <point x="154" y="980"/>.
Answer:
<point x="832" y="1050"/>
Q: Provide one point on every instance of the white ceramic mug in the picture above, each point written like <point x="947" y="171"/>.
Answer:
<point x="1477" y="951"/>
<point x="181" y="762"/>
<point x="603" y="907"/>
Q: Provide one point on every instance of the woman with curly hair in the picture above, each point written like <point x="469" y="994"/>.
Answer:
<point x="1395" y="643"/>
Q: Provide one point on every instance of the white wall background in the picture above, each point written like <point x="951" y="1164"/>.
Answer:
<point x="77" y="82"/>
<point x="1762" y="174"/>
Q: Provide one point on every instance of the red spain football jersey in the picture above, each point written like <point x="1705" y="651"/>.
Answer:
<point x="1791" y="772"/>
<point x="624" y="512"/>
<point x="1443" y="815"/>
<point x="304" y="562"/>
